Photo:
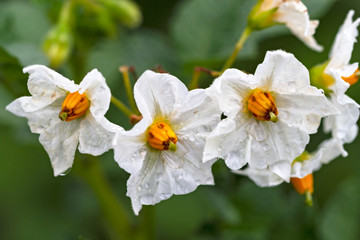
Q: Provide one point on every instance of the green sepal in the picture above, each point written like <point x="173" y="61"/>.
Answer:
<point x="319" y="79"/>
<point x="258" y="20"/>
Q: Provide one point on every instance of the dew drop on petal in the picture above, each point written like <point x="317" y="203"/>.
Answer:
<point x="147" y="186"/>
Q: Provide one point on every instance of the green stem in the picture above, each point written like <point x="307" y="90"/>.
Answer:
<point x="308" y="199"/>
<point x="146" y="230"/>
<point x="197" y="71"/>
<point x="113" y="210"/>
<point x="120" y="105"/>
<point x="125" y="72"/>
<point x="239" y="45"/>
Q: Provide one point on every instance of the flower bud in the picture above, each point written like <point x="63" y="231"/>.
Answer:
<point x="125" y="11"/>
<point x="162" y="137"/>
<point x="74" y="106"/>
<point x="304" y="185"/>
<point x="58" y="44"/>
<point x="262" y="106"/>
<point x="262" y="15"/>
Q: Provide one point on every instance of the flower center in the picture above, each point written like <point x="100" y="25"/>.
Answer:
<point x="75" y="105"/>
<point x="352" y="79"/>
<point x="262" y="106"/>
<point x="162" y="137"/>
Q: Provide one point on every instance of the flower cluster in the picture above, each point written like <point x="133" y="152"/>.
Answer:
<point x="260" y="123"/>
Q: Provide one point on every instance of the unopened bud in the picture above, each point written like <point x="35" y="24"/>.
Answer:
<point x="58" y="44"/>
<point x="126" y="11"/>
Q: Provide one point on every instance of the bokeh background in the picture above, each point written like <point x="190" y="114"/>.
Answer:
<point x="178" y="35"/>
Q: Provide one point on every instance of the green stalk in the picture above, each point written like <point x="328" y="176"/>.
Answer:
<point x="125" y="72"/>
<point x="120" y="105"/>
<point x="112" y="208"/>
<point x="239" y="45"/>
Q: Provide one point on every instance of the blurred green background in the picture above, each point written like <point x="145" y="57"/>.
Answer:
<point x="178" y="35"/>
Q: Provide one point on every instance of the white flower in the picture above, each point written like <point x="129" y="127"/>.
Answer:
<point x="327" y="151"/>
<point x="269" y="115"/>
<point x="343" y="126"/>
<point x="84" y="125"/>
<point x="163" y="152"/>
<point x="294" y="14"/>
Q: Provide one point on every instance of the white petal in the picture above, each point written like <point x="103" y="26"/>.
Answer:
<point x="341" y="125"/>
<point x="262" y="177"/>
<point x="156" y="94"/>
<point x="283" y="143"/>
<point x="295" y="15"/>
<point x="130" y="147"/>
<point x="98" y="92"/>
<point x="327" y="151"/>
<point x="60" y="141"/>
<point x="45" y="86"/>
<point x="236" y="86"/>
<point x="160" y="178"/>
<point x="282" y="169"/>
<point x="96" y="134"/>
<point x="197" y="114"/>
<point x="281" y="72"/>
<point x="229" y="141"/>
<point x="299" y="110"/>
<point x="343" y="45"/>
<point x="40" y="119"/>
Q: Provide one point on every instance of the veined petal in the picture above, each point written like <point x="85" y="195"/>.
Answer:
<point x="164" y="174"/>
<point x="40" y="119"/>
<point x="342" y="125"/>
<point x="60" y="141"/>
<point x="236" y="86"/>
<point x="262" y="177"/>
<point x="282" y="143"/>
<point x="299" y="110"/>
<point x="96" y="135"/>
<point x="46" y="85"/>
<point x="327" y="151"/>
<point x="130" y="147"/>
<point x="277" y="74"/>
<point x="156" y="94"/>
<point x="343" y="45"/>
<point x="295" y="16"/>
<point x="197" y="114"/>
<point x="97" y="91"/>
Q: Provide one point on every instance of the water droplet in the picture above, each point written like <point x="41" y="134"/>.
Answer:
<point x="147" y="185"/>
<point x="220" y="149"/>
<point x="181" y="176"/>
<point x="191" y="138"/>
<point x="197" y="182"/>
<point x="266" y="147"/>
<point x="139" y="188"/>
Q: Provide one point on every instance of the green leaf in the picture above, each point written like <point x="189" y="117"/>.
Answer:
<point x="342" y="213"/>
<point x="22" y="29"/>
<point x="209" y="29"/>
<point x="11" y="75"/>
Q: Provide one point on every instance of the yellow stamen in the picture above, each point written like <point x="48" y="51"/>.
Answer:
<point x="162" y="137"/>
<point x="304" y="186"/>
<point x="352" y="79"/>
<point x="262" y="106"/>
<point x="74" y="106"/>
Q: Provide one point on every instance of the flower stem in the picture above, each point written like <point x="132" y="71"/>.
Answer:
<point x="197" y="72"/>
<point x="125" y="72"/>
<point x="120" y="105"/>
<point x="112" y="208"/>
<point x="146" y="226"/>
<point x="239" y="45"/>
<point x="308" y="199"/>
